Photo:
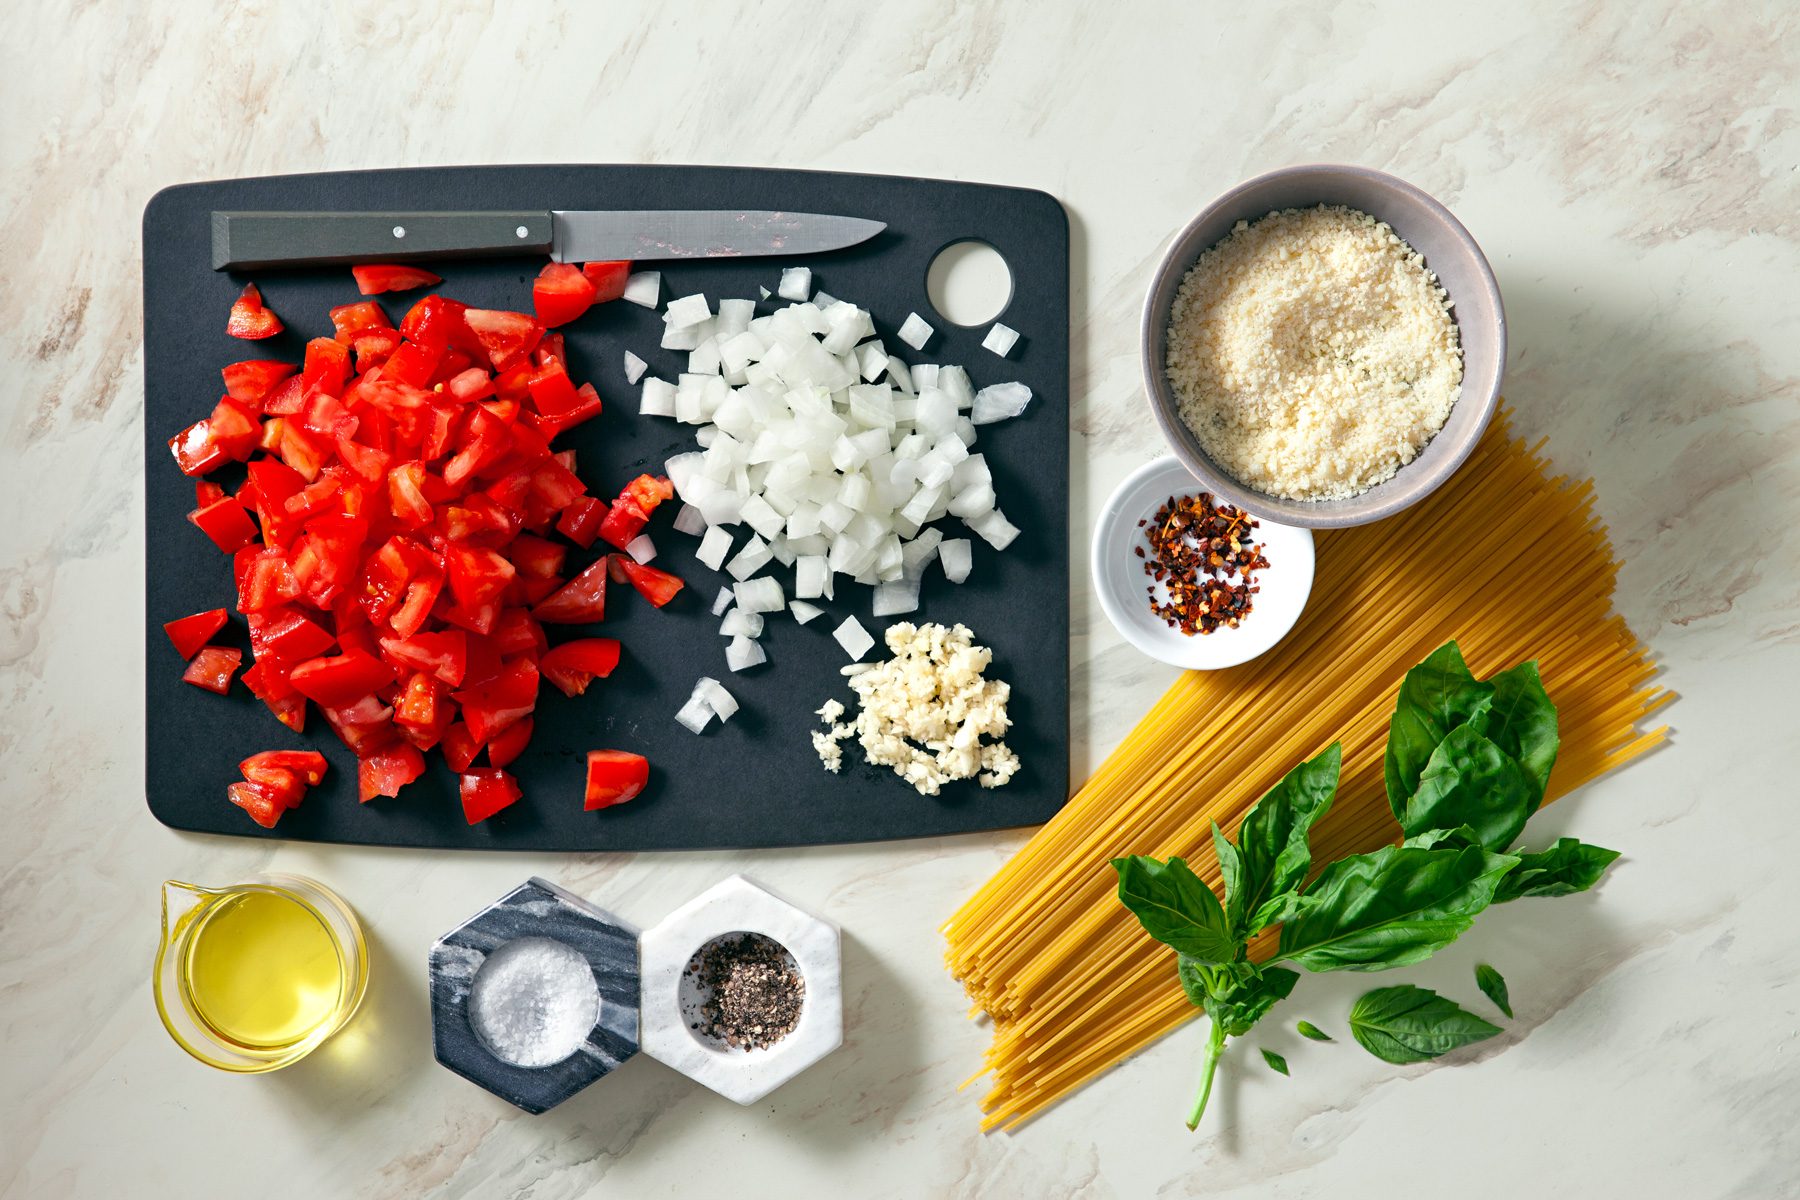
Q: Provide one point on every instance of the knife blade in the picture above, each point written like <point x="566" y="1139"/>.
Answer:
<point x="258" y="240"/>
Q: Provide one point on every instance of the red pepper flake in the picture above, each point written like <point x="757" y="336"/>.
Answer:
<point x="1203" y="555"/>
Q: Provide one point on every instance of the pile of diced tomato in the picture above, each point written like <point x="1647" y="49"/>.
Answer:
<point x="401" y="536"/>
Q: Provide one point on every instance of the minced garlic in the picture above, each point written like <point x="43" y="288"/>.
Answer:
<point x="924" y="711"/>
<point x="1313" y="353"/>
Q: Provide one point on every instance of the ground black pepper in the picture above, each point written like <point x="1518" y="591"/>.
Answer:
<point x="753" y="991"/>
<point x="1203" y="556"/>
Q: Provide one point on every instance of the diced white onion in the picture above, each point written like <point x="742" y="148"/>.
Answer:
<point x="688" y="311"/>
<point x="723" y="601"/>
<point x="995" y="529"/>
<point x="853" y="638"/>
<point x="643" y="288"/>
<point x="915" y="331"/>
<point x="717" y="698"/>
<point x="741" y="653"/>
<point x="796" y="284"/>
<point x="1000" y="339"/>
<point x="1000" y="402"/>
<point x="804" y="612"/>
<point x="739" y="623"/>
<point x="634" y="367"/>
<point x="759" y="595"/>
<point x="892" y="599"/>
<point x="658" y="398"/>
<point x="714" y="547"/>
<point x="689" y="521"/>
<point x="956" y="555"/>
<point x="752" y="558"/>
<point x="696" y="712"/>
<point x="641" y="548"/>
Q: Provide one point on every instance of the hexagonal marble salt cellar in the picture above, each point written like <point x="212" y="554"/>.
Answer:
<point x="536" y="909"/>
<point x="738" y="906"/>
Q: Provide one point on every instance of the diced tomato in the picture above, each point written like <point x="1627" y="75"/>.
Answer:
<point x="516" y="632"/>
<point x="386" y="771"/>
<point x="251" y="380"/>
<point x="189" y="634"/>
<point x="262" y="804"/>
<point x="508" y="697"/>
<point x="549" y="347"/>
<point x="234" y="428"/>
<point x="327" y="367"/>
<point x="552" y="392"/>
<point x="287" y="636"/>
<point x="351" y="319"/>
<point x="536" y="557"/>
<point x="250" y="319"/>
<point x="477" y="575"/>
<point x="623" y="521"/>
<point x="421" y="596"/>
<point x="561" y="293"/>
<point x="608" y="278"/>
<point x="365" y="727"/>
<point x="614" y="776"/>
<point x="506" y="338"/>
<point x="271" y="687"/>
<point x="581" y="601"/>
<point x="573" y="665"/>
<point x="308" y="766"/>
<point x="195" y="451"/>
<point x="226" y="523"/>
<point x="445" y="655"/>
<point x="213" y="668"/>
<point x="268" y="580"/>
<point x="374" y="278"/>
<point x="438" y="321"/>
<point x="650" y="491"/>
<point x="581" y="520"/>
<point x="326" y="557"/>
<point x="460" y="747"/>
<point x="286" y="398"/>
<point x="550" y="426"/>
<point x="340" y="681"/>
<point x="658" y="587"/>
<point x="413" y="363"/>
<point x="509" y="743"/>
<point x="484" y="440"/>
<point x="421" y="702"/>
<point x="470" y="385"/>
<point x="406" y="495"/>
<point x="485" y="791"/>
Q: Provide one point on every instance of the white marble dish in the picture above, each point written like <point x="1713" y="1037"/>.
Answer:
<point x="1119" y="579"/>
<point x="738" y="906"/>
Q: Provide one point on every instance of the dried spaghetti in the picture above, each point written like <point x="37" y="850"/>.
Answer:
<point x="1072" y="983"/>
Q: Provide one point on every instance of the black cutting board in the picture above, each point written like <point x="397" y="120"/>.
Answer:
<point x="756" y="781"/>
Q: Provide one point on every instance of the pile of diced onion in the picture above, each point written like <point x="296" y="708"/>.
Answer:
<point x="821" y="452"/>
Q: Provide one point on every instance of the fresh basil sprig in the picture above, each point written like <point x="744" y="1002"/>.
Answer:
<point x="1467" y="763"/>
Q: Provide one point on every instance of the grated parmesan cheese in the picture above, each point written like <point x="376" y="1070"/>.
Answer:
<point x="1313" y="353"/>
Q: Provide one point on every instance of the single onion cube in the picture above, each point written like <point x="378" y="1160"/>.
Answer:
<point x="796" y="284"/>
<point x="1000" y="339"/>
<point x="724" y="600"/>
<point x="853" y="638"/>
<point x="689" y="521"/>
<point x="717" y="698"/>
<point x="634" y="367"/>
<point x="804" y="612"/>
<point x="761" y="594"/>
<point x="695" y="713"/>
<point x="714" y="547"/>
<point x="766" y="293"/>
<point x="739" y="623"/>
<point x="687" y="311"/>
<point x="994" y="528"/>
<point x="658" y="398"/>
<point x="752" y="558"/>
<point x="741" y="654"/>
<point x="915" y="332"/>
<point x="957" y="557"/>
<point x="643" y="288"/>
<point x="641" y="548"/>
<point x="999" y="402"/>
<point x="899" y="596"/>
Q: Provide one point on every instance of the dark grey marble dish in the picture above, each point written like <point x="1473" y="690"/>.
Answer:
<point x="536" y="908"/>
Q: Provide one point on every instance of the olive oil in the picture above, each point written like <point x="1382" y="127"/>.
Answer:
<point x="261" y="970"/>
<point x="256" y="975"/>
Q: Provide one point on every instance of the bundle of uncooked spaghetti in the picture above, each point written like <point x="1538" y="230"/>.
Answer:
<point x="1506" y="559"/>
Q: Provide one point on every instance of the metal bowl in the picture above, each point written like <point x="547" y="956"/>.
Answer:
<point x="1462" y="271"/>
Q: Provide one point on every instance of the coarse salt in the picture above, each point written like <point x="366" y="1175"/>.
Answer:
<point x="534" y="1001"/>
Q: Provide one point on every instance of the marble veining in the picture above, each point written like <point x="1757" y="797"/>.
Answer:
<point x="1631" y="172"/>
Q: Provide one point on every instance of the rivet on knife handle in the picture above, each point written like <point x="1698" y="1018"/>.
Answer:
<point x="249" y="240"/>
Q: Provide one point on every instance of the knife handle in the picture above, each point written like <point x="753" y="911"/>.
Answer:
<point x="246" y="240"/>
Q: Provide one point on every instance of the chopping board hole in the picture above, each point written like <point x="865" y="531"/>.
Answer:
<point x="969" y="283"/>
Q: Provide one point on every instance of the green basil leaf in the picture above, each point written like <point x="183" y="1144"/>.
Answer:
<point x="1493" y="986"/>
<point x="1522" y="722"/>
<point x="1239" y="1007"/>
<point x="1274" y="911"/>
<point x="1567" y="867"/>
<point x="1175" y="907"/>
<point x="1275" y="1061"/>
<point x="1433" y="839"/>
<point x="1231" y="875"/>
<point x="1308" y="1030"/>
<point x="1272" y="837"/>
<point x="1469" y="781"/>
<point x="1409" y="1024"/>
<point x="1396" y="906"/>
<point x="1435" y="697"/>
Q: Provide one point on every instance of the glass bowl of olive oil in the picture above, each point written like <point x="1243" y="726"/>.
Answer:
<point x="256" y="975"/>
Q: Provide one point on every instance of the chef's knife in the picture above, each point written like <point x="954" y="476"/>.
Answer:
<point x="245" y="240"/>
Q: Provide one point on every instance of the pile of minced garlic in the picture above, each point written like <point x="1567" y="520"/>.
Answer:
<point x="1312" y="353"/>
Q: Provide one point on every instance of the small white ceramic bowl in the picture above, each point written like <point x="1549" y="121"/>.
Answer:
<point x="1120" y="581"/>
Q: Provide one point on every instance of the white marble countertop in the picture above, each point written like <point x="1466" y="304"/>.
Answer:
<point x="1631" y="171"/>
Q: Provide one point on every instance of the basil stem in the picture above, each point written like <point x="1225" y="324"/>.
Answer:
<point x="1215" y="1047"/>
